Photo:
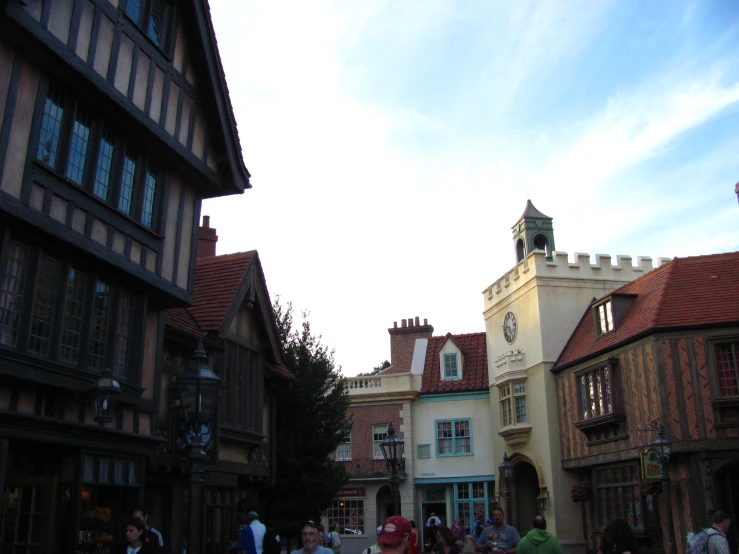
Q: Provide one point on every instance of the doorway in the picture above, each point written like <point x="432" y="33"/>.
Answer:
<point x="525" y="489"/>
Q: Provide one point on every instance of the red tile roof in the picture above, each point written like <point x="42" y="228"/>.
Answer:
<point x="217" y="279"/>
<point x="182" y="320"/>
<point x="474" y="370"/>
<point x="696" y="291"/>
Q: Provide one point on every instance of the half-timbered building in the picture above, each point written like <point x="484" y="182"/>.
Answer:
<point x="232" y="314"/>
<point x="662" y="350"/>
<point x="115" y="123"/>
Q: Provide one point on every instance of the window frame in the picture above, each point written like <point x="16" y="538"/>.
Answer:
<point x="453" y="437"/>
<point x="418" y="451"/>
<point x="602" y="311"/>
<point x="376" y="442"/>
<point x="507" y="400"/>
<point x="616" y="392"/>
<point x="342" y="521"/>
<point x="58" y="313"/>
<point x="640" y="501"/>
<point x="450" y="356"/>
<point x="240" y="420"/>
<point x="166" y="43"/>
<point x="470" y="501"/>
<point x="122" y="143"/>
<point x="734" y="343"/>
<point x="344" y="443"/>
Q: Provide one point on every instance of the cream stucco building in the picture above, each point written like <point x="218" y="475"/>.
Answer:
<point x="530" y="312"/>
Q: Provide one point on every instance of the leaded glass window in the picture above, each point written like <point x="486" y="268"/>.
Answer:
<point x="11" y="291"/>
<point x="42" y="313"/>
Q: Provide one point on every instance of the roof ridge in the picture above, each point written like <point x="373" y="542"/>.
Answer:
<point x="224" y="257"/>
<point x="663" y="292"/>
<point x="458" y="335"/>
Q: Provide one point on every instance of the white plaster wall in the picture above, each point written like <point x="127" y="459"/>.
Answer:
<point x="424" y="432"/>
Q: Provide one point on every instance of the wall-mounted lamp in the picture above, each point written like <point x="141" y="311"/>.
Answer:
<point x="104" y="393"/>
<point x="541" y="500"/>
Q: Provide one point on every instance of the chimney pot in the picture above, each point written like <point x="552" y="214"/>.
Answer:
<point x="403" y="323"/>
<point x="425" y="321"/>
<point x="417" y="324"/>
<point x="395" y="324"/>
<point x="410" y="322"/>
<point x="206" y="221"/>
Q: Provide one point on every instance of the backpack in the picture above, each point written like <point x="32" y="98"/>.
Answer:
<point x="271" y="544"/>
<point x="698" y="542"/>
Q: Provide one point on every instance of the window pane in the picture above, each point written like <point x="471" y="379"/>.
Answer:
<point x="127" y="182"/>
<point x="463" y="491"/>
<point x="150" y="187"/>
<point x="133" y="9"/>
<point x="123" y="336"/>
<point x="379" y="434"/>
<point x="43" y="305"/>
<point x="78" y="147"/>
<point x="505" y="412"/>
<point x="51" y="126"/>
<point x="11" y="291"/>
<point x="74" y="302"/>
<point x="521" y="410"/>
<point x="726" y="367"/>
<point x="103" y="167"/>
<point x="99" y="325"/>
<point x="156" y="20"/>
<point x="348" y="515"/>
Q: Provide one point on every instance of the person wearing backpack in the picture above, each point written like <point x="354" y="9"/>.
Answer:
<point x="333" y="539"/>
<point x="717" y="543"/>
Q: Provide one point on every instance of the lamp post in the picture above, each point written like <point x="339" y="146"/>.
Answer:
<point x="104" y="395"/>
<point x="662" y="445"/>
<point x="392" y="450"/>
<point x="198" y="390"/>
<point x="505" y="470"/>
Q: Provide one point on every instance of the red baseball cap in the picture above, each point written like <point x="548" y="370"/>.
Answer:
<point x="394" y="530"/>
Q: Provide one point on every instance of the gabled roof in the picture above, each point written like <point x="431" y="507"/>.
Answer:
<point x="222" y="101"/>
<point x="697" y="291"/>
<point x="474" y="371"/>
<point x="181" y="320"/>
<point x="220" y="288"/>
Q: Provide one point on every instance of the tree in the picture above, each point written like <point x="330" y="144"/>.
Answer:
<point x="311" y="422"/>
<point x="377" y="369"/>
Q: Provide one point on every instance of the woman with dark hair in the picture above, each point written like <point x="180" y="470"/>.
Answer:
<point x="134" y="539"/>
<point x="414" y="547"/>
<point x="445" y="541"/>
<point x="618" y="538"/>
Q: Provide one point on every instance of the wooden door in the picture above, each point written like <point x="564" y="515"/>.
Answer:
<point x="28" y="515"/>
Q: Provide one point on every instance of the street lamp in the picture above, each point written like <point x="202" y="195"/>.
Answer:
<point x="104" y="394"/>
<point x="541" y="500"/>
<point x="392" y="449"/>
<point x="662" y="445"/>
<point x="506" y="470"/>
<point x="198" y="390"/>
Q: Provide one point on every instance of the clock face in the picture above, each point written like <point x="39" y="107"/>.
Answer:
<point x="510" y="327"/>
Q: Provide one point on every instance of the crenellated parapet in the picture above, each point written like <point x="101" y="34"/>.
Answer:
<point x="559" y="266"/>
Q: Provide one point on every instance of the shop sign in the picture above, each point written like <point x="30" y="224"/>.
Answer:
<point x="651" y="468"/>
<point x="352" y="491"/>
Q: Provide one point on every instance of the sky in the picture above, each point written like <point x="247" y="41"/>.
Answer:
<point x="393" y="144"/>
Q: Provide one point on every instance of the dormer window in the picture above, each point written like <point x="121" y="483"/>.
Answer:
<point x="451" y="367"/>
<point x="604" y="317"/>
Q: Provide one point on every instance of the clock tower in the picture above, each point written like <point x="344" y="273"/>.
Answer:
<point x="533" y="231"/>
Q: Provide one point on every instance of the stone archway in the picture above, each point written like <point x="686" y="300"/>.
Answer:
<point x="384" y="504"/>
<point x="525" y="490"/>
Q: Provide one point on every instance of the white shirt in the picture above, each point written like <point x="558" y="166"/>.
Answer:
<point x="433" y="520"/>
<point x="258" y="529"/>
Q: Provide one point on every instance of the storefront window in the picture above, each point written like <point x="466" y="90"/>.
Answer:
<point x="348" y="515"/>
<point x="472" y="500"/>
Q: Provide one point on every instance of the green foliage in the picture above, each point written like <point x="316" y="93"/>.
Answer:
<point x="377" y="369"/>
<point x="311" y="422"/>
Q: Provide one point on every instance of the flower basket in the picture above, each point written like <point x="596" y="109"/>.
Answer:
<point x="581" y="492"/>
<point x="651" y="488"/>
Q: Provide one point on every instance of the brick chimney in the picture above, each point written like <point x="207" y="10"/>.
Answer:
<point x="207" y="239"/>
<point x="403" y="341"/>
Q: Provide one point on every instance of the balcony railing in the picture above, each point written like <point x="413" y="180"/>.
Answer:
<point x="370" y="467"/>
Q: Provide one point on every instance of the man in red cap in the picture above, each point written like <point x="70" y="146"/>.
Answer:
<point x="395" y="536"/>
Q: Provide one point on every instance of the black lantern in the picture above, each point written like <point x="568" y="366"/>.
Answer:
<point x="505" y="470"/>
<point x="392" y="446"/>
<point x="198" y="389"/>
<point x="392" y="449"/>
<point x="662" y="445"/>
<point x="104" y="395"/>
<point x="541" y="500"/>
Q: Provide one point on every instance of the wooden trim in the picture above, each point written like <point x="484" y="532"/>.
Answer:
<point x="178" y="237"/>
<point x="134" y="72"/>
<point x="191" y="127"/>
<point x="38" y="112"/>
<point x="74" y="28"/>
<point x="194" y="243"/>
<point x="162" y="218"/>
<point x="158" y="369"/>
<point x="178" y="118"/>
<point x="12" y="96"/>
<point x="115" y="49"/>
<point x="94" y="38"/>
<point x="165" y="101"/>
<point x="171" y="295"/>
<point x="45" y="11"/>
<point x="150" y="86"/>
<point x="679" y="394"/>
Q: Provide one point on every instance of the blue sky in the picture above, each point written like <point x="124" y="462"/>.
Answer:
<point x="393" y="145"/>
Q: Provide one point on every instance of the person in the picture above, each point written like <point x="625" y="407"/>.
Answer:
<point x="258" y="530"/>
<point x="321" y="535"/>
<point x="431" y="524"/>
<point x="459" y="532"/>
<point x="717" y="542"/>
<point x="618" y="538"/>
<point x="375" y="548"/>
<point x="135" y="543"/>
<point x="151" y="535"/>
<point x="394" y="535"/>
<point x="414" y="547"/>
<point x="498" y="538"/>
<point x="309" y="537"/>
<point x="271" y="541"/>
<point x="539" y="540"/>
<point x="477" y="528"/>
<point x="245" y="543"/>
<point x="333" y="539"/>
<point x="446" y="541"/>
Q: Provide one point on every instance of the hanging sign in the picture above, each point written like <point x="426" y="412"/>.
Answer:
<point x="351" y="491"/>
<point x="651" y="467"/>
